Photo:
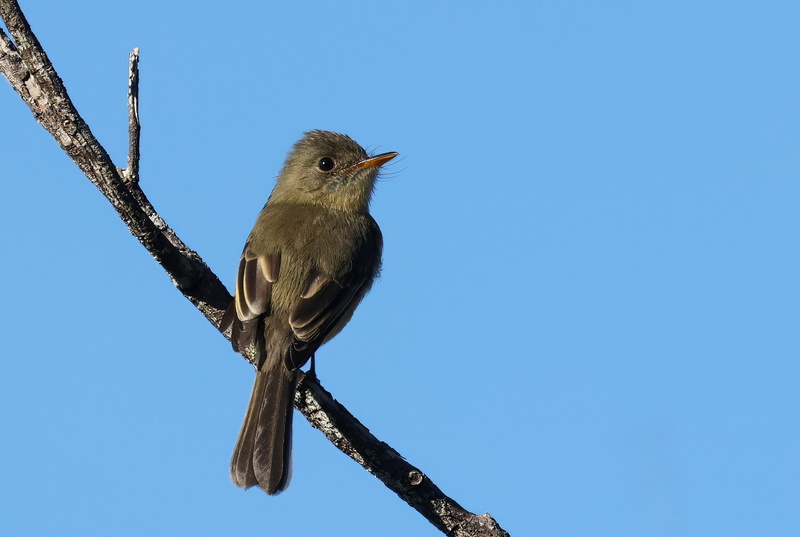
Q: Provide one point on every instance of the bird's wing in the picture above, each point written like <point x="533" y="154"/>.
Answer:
<point x="325" y="305"/>
<point x="251" y="300"/>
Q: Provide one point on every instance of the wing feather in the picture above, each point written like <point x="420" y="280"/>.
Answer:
<point x="253" y="295"/>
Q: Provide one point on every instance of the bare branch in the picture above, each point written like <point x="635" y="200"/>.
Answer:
<point x="134" y="127"/>
<point x="379" y="459"/>
<point x="30" y="73"/>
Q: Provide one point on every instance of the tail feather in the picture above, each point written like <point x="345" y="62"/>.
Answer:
<point x="263" y="451"/>
<point x="242" y="472"/>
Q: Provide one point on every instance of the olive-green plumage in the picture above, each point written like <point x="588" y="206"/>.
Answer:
<point x="310" y="259"/>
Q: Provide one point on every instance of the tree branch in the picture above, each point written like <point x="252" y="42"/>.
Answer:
<point x="30" y="73"/>
<point x="378" y="458"/>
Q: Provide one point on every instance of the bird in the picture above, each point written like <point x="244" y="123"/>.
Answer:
<point x="313" y="254"/>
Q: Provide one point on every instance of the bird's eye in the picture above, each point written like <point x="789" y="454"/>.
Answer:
<point x="325" y="164"/>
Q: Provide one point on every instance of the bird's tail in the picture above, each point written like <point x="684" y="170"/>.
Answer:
<point x="263" y="453"/>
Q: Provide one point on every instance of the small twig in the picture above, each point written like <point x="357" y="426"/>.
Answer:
<point x="134" y="126"/>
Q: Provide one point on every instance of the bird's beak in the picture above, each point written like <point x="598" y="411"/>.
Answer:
<point x="376" y="161"/>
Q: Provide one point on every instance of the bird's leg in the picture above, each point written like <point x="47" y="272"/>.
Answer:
<point x="312" y="369"/>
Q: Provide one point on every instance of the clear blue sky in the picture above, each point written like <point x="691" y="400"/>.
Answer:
<point x="587" y="323"/>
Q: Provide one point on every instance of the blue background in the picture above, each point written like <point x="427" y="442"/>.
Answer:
<point x="587" y="322"/>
